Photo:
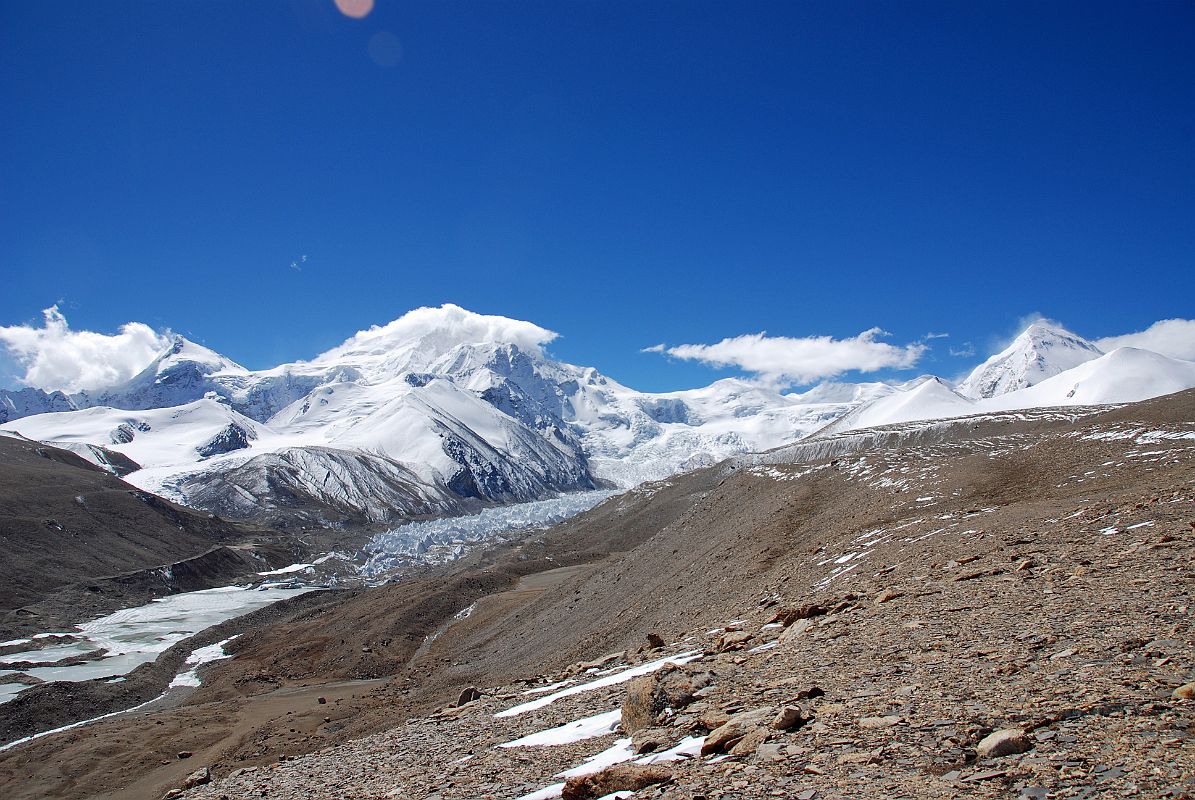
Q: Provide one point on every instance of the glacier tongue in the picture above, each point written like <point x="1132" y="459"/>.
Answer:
<point x="446" y="539"/>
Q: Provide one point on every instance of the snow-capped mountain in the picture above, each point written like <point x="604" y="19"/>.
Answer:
<point x="1040" y="352"/>
<point x="444" y="409"/>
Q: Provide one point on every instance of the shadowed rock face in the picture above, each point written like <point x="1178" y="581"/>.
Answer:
<point x="232" y="437"/>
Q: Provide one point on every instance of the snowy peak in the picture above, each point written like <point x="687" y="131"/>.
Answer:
<point x="420" y="338"/>
<point x="182" y="374"/>
<point x="1040" y="352"/>
<point x="184" y="351"/>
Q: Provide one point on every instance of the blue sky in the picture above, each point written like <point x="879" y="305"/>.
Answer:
<point x="624" y="173"/>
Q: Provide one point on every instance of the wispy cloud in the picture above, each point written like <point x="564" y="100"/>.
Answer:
<point x="930" y="336"/>
<point x="55" y="357"/>
<point x="1170" y="337"/>
<point x="655" y="348"/>
<point x="788" y="360"/>
<point x="966" y="351"/>
<point x="297" y="266"/>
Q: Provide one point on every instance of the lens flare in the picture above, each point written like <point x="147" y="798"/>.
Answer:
<point x="357" y="9"/>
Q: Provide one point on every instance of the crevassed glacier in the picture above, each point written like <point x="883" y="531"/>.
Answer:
<point x="446" y="539"/>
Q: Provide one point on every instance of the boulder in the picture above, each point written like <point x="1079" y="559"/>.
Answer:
<point x="788" y="718"/>
<point x="649" y="740"/>
<point x="733" y="640"/>
<point x="197" y="778"/>
<point x="787" y="615"/>
<point x="618" y="778"/>
<point x="748" y="723"/>
<point x="1007" y="742"/>
<point x="1185" y="692"/>
<point x="671" y="687"/>
<point x="468" y="696"/>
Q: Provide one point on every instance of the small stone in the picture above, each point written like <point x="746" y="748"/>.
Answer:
<point x="321" y="700"/>
<point x="788" y="718"/>
<point x="1007" y="742"/>
<point x="874" y="723"/>
<point x="770" y="751"/>
<point x="655" y="641"/>
<point x="888" y="595"/>
<point x="184" y="754"/>
<point x="468" y="696"/>
<point x="1185" y="692"/>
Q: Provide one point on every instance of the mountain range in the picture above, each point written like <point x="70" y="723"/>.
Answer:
<point x="444" y="410"/>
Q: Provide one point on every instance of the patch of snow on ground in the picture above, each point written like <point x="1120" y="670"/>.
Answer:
<point x="575" y="731"/>
<point x="609" y="680"/>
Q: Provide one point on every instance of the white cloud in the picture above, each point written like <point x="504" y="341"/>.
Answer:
<point x="655" y="348"/>
<point x="1170" y="337"/>
<point x="932" y="335"/>
<point x="56" y="357"/>
<point x="782" y="359"/>
<point x="437" y="330"/>
<point x="966" y="351"/>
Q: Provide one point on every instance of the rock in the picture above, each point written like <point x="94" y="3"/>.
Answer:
<point x="197" y="778"/>
<point x="875" y="723"/>
<point x="184" y="754"/>
<point x="172" y="794"/>
<point x="649" y="740"/>
<point x="723" y="738"/>
<point x="771" y="751"/>
<point x="795" y="630"/>
<point x="321" y="700"/>
<point x="655" y="641"/>
<point x="751" y="742"/>
<point x="1006" y="742"/>
<point x="733" y="640"/>
<point x="618" y="778"/>
<point x="468" y="696"/>
<point x="671" y="687"/>
<point x="787" y="616"/>
<point x="1185" y="692"/>
<point x="887" y="595"/>
<point x="789" y="717"/>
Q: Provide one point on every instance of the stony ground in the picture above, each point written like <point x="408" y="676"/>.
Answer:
<point x="894" y="607"/>
<point x="1032" y="581"/>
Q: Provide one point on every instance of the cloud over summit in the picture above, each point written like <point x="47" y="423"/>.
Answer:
<point x="54" y="357"/>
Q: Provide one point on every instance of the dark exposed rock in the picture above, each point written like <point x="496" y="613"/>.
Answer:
<point x="618" y="778"/>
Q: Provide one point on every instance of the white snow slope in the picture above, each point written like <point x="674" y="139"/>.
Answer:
<point x="450" y="404"/>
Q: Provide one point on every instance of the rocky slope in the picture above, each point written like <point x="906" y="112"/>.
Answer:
<point x="905" y="600"/>
<point x="75" y="537"/>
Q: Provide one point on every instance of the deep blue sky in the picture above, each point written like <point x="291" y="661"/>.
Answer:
<point x="625" y="173"/>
